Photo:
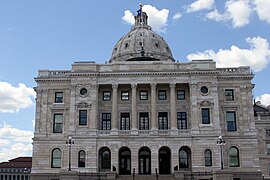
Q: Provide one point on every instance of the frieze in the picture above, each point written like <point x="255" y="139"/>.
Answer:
<point x="82" y="105"/>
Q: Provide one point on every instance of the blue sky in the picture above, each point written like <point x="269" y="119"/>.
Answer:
<point x="47" y="34"/>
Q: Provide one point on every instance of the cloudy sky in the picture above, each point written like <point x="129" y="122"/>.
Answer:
<point x="47" y="34"/>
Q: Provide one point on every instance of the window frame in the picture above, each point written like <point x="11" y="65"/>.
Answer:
<point x="205" y="119"/>
<point x="106" y="120"/>
<point x="208" y="158"/>
<point x="181" y="94"/>
<point x="235" y="157"/>
<point x="125" y="121"/>
<point x="145" y="96"/>
<point x="55" y="124"/>
<point x="163" y="122"/>
<point x="162" y="97"/>
<point x="231" y="122"/>
<point x="181" y="120"/>
<point x="81" y="160"/>
<point x="229" y="97"/>
<point x="106" y="97"/>
<point x="56" y="158"/>
<point x="124" y="97"/>
<point x="144" y="121"/>
<point x="80" y="117"/>
<point x="57" y="98"/>
<point x="268" y="148"/>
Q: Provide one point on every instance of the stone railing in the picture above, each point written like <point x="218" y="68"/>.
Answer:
<point x="47" y="73"/>
<point x="104" y="132"/>
<point x="184" y="131"/>
<point x="124" y="132"/>
<point x="239" y="70"/>
<point x="144" y="132"/>
<point x="164" y="132"/>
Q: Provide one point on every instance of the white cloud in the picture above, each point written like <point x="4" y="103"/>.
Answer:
<point x="262" y="8"/>
<point x="14" y="142"/>
<point x="12" y="99"/>
<point x="200" y="5"/>
<point x="258" y="56"/>
<point x="177" y="16"/>
<point x="156" y="18"/>
<point x="265" y="99"/>
<point x="237" y="11"/>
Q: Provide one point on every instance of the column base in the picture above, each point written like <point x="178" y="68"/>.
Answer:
<point x="114" y="132"/>
<point x="174" y="131"/>
<point x="134" y="131"/>
<point x="154" y="131"/>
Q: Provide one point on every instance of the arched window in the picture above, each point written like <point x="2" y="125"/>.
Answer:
<point x="105" y="159"/>
<point x="184" y="157"/>
<point x="81" y="158"/>
<point x="56" y="158"/>
<point x="234" y="157"/>
<point x="208" y="157"/>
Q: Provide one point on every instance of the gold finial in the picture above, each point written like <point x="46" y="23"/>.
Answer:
<point x="140" y="5"/>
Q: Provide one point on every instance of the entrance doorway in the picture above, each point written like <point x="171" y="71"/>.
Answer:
<point x="124" y="161"/>
<point x="164" y="154"/>
<point x="144" y="161"/>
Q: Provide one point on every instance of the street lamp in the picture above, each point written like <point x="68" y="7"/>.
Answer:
<point x="69" y="142"/>
<point x="221" y="143"/>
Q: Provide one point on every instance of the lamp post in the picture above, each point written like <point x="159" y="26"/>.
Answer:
<point x="69" y="142"/>
<point x="221" y="143"/>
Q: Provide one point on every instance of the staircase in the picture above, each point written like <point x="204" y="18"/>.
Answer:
<point x="145" y="177"/>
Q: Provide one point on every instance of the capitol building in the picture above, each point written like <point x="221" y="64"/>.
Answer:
<point x="144" y="115"/>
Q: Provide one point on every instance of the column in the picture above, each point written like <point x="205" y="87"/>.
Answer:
<point x="114" y="107"/>
<point x="173" y="107"/>
<point x="153" y="106"/>
<point x="134" y="107"/>
<point x="194" y="108"/>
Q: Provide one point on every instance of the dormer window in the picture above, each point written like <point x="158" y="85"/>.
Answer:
<point x="156" y="44"/>
<point x="126" y="45"/>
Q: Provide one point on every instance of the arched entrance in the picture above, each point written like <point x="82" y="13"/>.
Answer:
<point x="105" y="159"/>
<point x="144" y="161"/>
<point x="164" y="155"/>
<point x="124" y="161"/>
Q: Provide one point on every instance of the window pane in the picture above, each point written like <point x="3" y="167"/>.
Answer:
<point x="144" y="121"/>
<point x="231" y="121"/>
<point x="229" y="94"/>
<point x="180" y="95"/>
<point x="183" y="159"/>
<point x="83" y="117"/>
<point x="106" y="95"/>
<point x="56" y="158"/>
<point x="58" y="123"/>
<point x="163" y="120"/>
<point x="181" y="120"/>
<point x="268" y="149"/>
<point x="58" y="97"/>
<point x="162" y="95"/>
<point x="205" y="116"/>
<point x="143" y="95"/>
<point x="106" y="121"/>
<point x="208" y="157"/>
<point x="125" y="121"/>
<point x="233" y="157"/>
<point x="124" y="95"/>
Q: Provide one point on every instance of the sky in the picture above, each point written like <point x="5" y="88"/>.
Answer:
<point x="49" y="34"/>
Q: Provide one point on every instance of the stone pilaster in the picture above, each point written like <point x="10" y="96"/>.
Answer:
<point x="114" y="108"/>
<point x="153" y="107"/>
<point x="194" y="108"/>
<point x="134" y="108"/>
<point x="173" y="107"/>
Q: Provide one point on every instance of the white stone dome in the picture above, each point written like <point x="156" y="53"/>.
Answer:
<point x="141" y="44"/>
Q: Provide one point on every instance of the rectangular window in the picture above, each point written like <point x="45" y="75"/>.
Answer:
<point x="143" y="95"/>
<point x="58" y="123"/>
<point x="106" y="95"/>
<point x="181" y="95"/>
<point x="58" y="97"/>
<point x="162" y="95"/>
<point x="231" y="121"/>
<point x="182" y="120"/>
<point x="229" y="96"/>
<point x="106" y="121"/>
<point x="205" y="116"/>
<point x="125" y="121"/>
<point x="163" y="120"/>
<point x="144" y="121"/>
<point x="82" y="117"/>
<point x="268" y="148"/>
<point x="124" y="95"/>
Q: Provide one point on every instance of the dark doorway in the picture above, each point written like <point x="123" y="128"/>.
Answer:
<point x="144" y="161"/>
<point x="124" y="161"/>
<point x="164" y="160"/>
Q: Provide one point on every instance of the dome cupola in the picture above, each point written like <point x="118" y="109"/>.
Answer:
<point x="141" y="43"/>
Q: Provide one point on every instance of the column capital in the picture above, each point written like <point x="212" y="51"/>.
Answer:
<point x="134" y="85"/>
<point x="153" y="85"/>
<point x="114" y="86"/>
<point x="172" y="85"/>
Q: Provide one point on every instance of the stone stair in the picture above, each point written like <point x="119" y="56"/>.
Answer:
<point x="145" y="177"/>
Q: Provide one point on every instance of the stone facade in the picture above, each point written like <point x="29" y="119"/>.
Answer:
<point x="145" y="116"/>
